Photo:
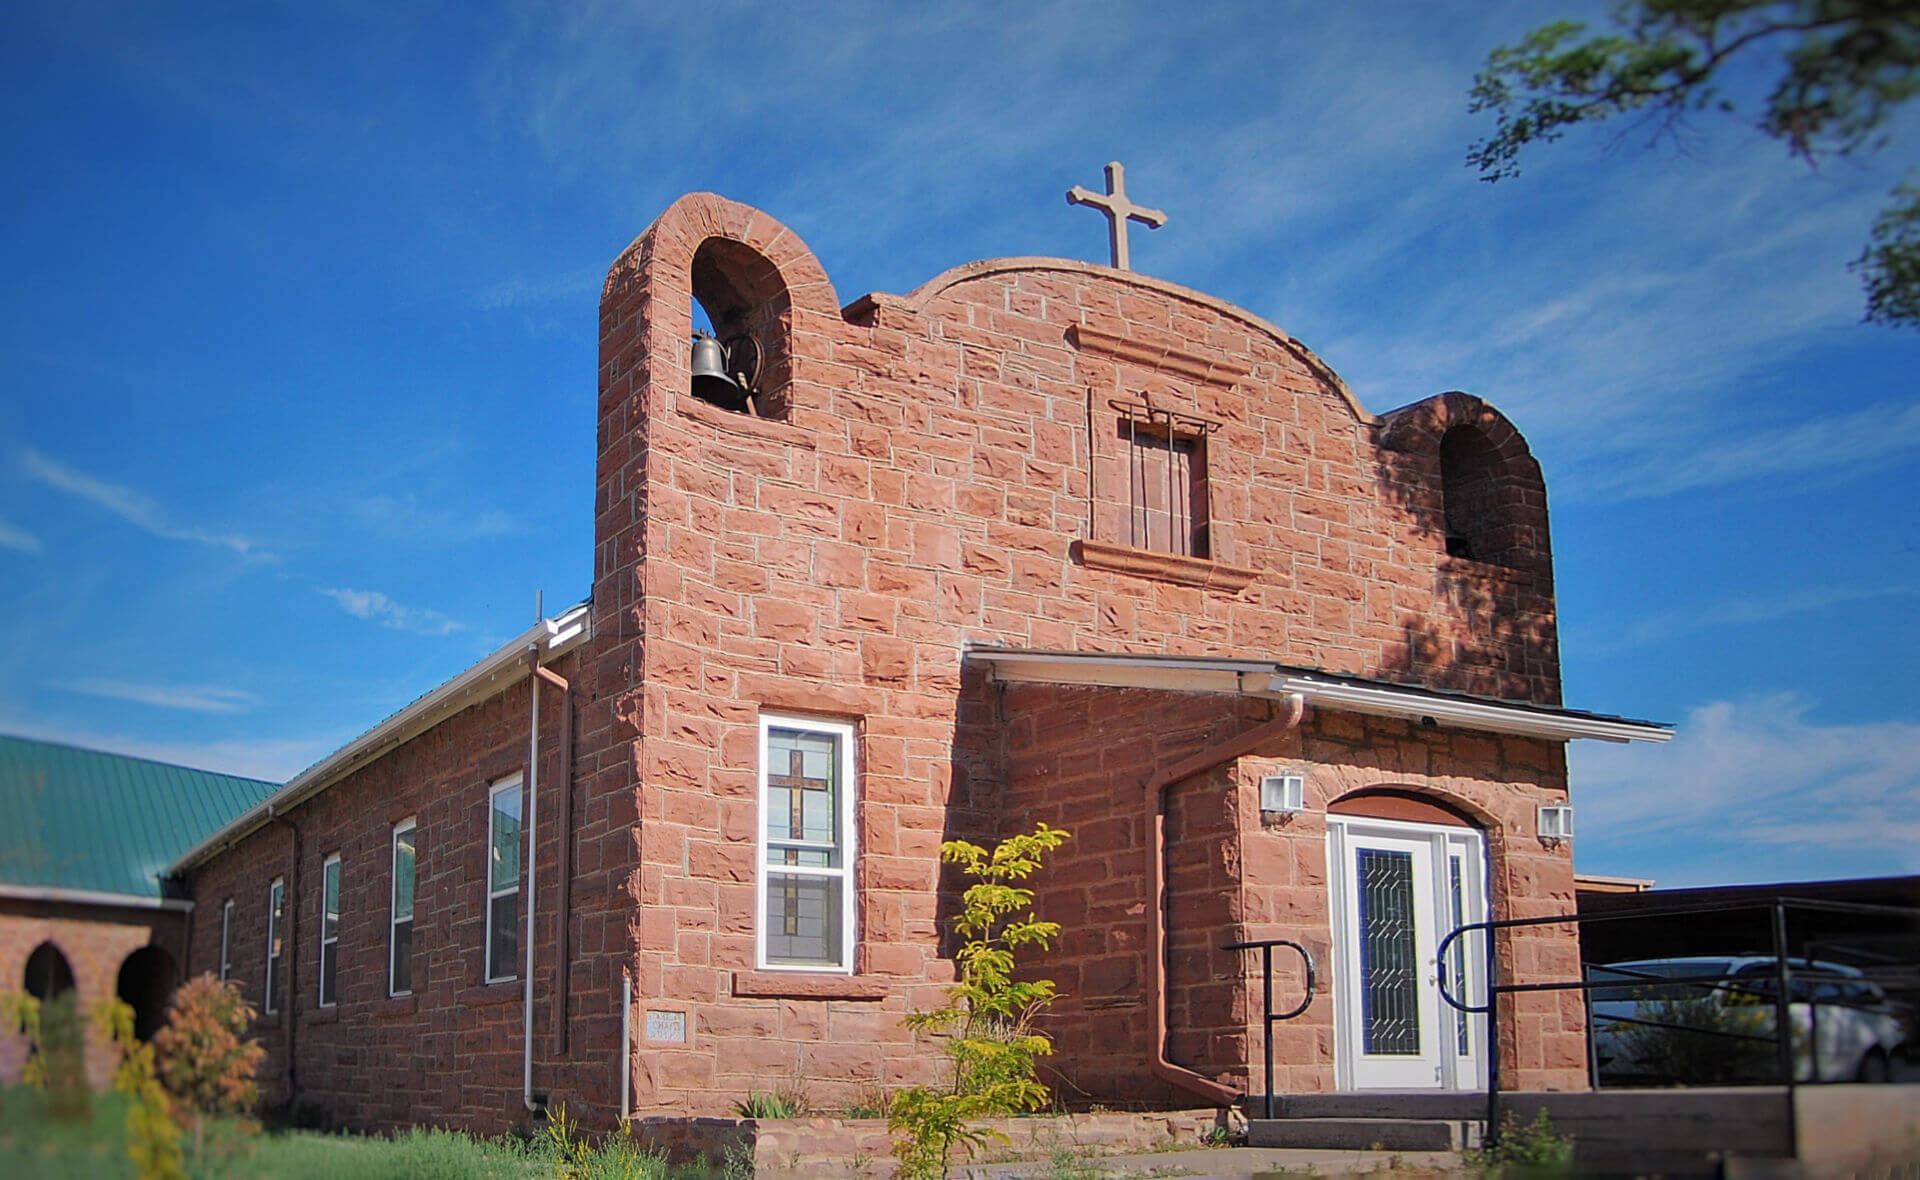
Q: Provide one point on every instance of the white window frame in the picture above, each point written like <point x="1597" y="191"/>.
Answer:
<point x="276" y="912"/>
<point x="321" y="999"/>
<point x="847" y="735"/>
<point x="226" y="940"/>
<point x="510" y="783"/>
<point x="406" y="825"/>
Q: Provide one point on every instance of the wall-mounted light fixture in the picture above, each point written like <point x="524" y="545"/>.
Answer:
<point x="1556" y="822"/>
<point x="1283" y="794"/>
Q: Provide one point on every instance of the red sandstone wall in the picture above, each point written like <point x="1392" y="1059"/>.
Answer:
<point x="451" y="1052"/>
<point x="96" y="941"/>
<point x="1077" y="758"/>
<point x="935" y="459"/>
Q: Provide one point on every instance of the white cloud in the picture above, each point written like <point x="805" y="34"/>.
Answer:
<point x="16" y="538"/>
<point x="136" y="508"/>
<point x="203" y="698"/>
<point x="273" y="760"/>
<point x="1855" y="442"/>
<point x="377" y="607"/>
<point x="1760" y="775"/>
<point x="406" y="516"/>
<point x="1735" y="612"/>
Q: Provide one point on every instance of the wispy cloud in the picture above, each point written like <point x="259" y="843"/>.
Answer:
<point x="193" y="698"/>
<point x="406" y="516"/>
<point x="18" y="539"/>
<point x="520" y="291"/>
<point x="1734" y="612"/>
<point x="377" y="607"/>
<point x="1764" y="777"/>
<point x="1856" y="442"/>
<point x="134" y="507"/>
<point x="273" y="760"/>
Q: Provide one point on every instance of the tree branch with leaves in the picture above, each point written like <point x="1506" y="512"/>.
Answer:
<point x="1845" y="67"/>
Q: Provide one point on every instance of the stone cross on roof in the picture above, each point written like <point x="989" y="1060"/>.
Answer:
<point x="1119" y="211"/>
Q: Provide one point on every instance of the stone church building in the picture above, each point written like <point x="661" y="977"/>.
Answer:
<point x="1040" y="541"/>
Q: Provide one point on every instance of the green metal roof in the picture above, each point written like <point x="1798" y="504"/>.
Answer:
<point x="88" y="820"/>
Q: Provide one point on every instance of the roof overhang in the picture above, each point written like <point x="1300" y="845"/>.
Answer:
<point x="506" y="667"/>
<point x="1324" y="690"/>
<point x="99" y="897"/>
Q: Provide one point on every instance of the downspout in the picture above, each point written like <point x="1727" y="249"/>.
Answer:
<point x="290" y="976"/>
<point x="1156" y="793"/>
<point x="532" y="834"/>
<point x="564" y="865"/>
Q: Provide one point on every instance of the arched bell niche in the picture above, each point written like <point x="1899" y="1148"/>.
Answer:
<point x="740" y="299"/>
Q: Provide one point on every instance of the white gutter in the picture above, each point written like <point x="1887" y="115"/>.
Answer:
<point x="1459" y="713"/>
<point x="131" y="901"/>
<point x="1259" y="678"/>
<point x="488" y="678"/>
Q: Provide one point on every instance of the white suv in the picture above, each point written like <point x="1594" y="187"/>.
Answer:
<point x="1652" y="1032"/>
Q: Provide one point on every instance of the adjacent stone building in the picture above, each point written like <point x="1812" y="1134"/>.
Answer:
<point x="1042" y="541"/>
<point x="85" y="840"/>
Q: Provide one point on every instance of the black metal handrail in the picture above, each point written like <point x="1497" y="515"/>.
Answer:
<point x="1781" y="991"/>
<point x="1271" y="1018"/>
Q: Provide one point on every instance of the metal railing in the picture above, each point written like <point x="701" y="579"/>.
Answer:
<point x="1779" y="990"/>
<point x="1271" y="1018"/>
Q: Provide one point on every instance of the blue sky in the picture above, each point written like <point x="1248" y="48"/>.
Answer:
<point x="299" y="341"/>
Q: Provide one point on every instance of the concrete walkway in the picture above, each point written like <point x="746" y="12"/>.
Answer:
<point x="1222" y="1163"/>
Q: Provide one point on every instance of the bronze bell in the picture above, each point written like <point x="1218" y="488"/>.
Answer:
<point x="711" y="381"/>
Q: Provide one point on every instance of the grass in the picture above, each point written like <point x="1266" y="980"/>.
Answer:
<point x="32" y="1144"/>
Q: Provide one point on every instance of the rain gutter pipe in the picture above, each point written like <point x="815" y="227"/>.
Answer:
<point x="1156" y="794"/>
<point x="532" y="864"/>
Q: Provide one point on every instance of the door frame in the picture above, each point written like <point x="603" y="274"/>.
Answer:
<point x="1445" y="842"/>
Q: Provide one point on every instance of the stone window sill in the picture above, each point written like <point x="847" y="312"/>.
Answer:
<point x="746" y="425"/>
<point x="504" y="991"/>
<point x="806" y="985"/>
<point x="397" y="1006"/>
<point x="1166" y="567"/>
<point x="328" y="1015"/>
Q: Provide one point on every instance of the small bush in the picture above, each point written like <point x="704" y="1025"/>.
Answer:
<point x="1526" y="1151"/>
<point x="987" y="1022"/>
<point x="205" y="1057"/>
<point x="784" y="1103"/>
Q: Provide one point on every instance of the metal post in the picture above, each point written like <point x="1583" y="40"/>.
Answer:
<point x="1782" y="1003"/>
<point x="1783" y="1017"/>
<point x="1492" y="1135"/>
<point x="1266" y="972"/>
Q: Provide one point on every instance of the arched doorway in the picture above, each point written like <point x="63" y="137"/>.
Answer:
<point x="1405" y="870"/>
<point x="48" y="974"/>
<point x="146" y="984"/>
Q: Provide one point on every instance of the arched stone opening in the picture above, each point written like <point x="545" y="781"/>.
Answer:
<point x="1475" y="497"/>
<point x="48" y="974"/>
<point x="146" y="982"/>
<point x="745" y="304"/>
<point x="1406" y="806"/>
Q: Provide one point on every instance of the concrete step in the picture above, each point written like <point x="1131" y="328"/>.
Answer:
<point x="1363" y="1134"/>
<point x="1376" y="1104"/>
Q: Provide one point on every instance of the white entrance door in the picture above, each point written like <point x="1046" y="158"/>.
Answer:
<point x="1398" y="889"/>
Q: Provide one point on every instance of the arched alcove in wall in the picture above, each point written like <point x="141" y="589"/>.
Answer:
<point x="48" y="974"/>
<point x="146" y="982"/>
<point x="741" y="296"/>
